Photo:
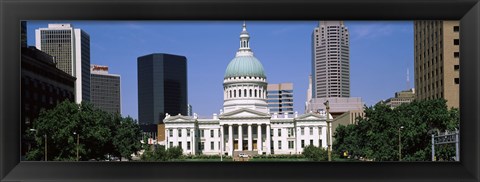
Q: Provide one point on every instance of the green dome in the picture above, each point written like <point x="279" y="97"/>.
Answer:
<point x="245" y="66"/>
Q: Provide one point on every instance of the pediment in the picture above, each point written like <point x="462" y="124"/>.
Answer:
<point x="311" y="116"/>
<point x="244" y="112"/>
<point x="178" y="118"/>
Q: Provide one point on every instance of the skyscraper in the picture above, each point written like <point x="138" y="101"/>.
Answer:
<point x="70" y="48"/>
<point x="437" y="63"/>
<point x="105" y="89"/>
<point x="331" y="70"/>
<point x="280" y="98"/>
<point x="330" y="60"/>
<point x="162" y="87"/>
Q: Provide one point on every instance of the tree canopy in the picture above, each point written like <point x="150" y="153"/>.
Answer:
<point x="100" y="134"/>
<point x="376" y="136"/>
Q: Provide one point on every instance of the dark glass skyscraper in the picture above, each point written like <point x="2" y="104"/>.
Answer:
<point x="162" y="87"/>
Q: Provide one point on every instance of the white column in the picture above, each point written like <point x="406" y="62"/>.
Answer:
<point x="319" y="129"/>
<point x="230" y="140"/>
<point x="249" y="137"/>
<point x="260" y="92"/>
<point x="268" y="138"/>
<point x="221" y="140"/>
<point x="166" y="138"/>
<point x="192" y="140"/>
<point x="259" y="139"/>
<point x="175" y="136"/>
<point x="240" y="138"/>
<point x="183" y="139"/>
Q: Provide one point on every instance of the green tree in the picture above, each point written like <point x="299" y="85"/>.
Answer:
<point x="99" y="134"/>
<point x="160" y="154"/>
<point x="126" y="138"/>
<point x="315" y="153"/>
<point x="376" y="136"/>
<point x="174" y="153"/>
<point x="57" y="126"/>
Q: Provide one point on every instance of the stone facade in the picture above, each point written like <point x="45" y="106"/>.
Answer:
<point x="245" y="125"/>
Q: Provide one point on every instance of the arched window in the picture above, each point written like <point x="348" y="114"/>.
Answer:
<point x="234" y="93"/>
<point x="240" y="93"/>
<point x="230" y="94"/>
<point x="256" y="92"/>
<point x="250" y="93"/>
<point x="245" y="93"/>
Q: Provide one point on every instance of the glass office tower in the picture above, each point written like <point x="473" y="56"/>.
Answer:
<point x="162" y="87"/>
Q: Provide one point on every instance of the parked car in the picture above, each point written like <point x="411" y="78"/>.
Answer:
<point x="243" y="155"/>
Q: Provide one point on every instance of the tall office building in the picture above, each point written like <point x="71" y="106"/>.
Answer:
<point x="330" y="60"/>
<point x="330" y="80"/>
<point x="437" y="60"/>
<point x="105" y="89"/>
<point x="280" y="98"/>
<point x="70" y="48"/>
<point x="162" y="87"/>
<point x="189" y="110"/>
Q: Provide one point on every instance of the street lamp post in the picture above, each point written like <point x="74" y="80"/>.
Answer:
<point x="45" y="136"/>
<point x="400" y="143"/>
<point x="78" y="142"/>
<point x="329" y="145"/>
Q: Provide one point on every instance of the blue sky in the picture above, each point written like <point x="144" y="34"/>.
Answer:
<point x="380" y="53"/>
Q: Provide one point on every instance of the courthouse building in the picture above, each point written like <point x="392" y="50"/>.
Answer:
<point x="244" y="125"/>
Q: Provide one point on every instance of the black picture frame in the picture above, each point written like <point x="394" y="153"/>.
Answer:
<point x="12" y="12"/>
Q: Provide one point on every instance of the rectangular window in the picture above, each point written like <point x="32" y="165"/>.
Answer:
<point x="279" y="132"/>
<point x="202" y="133"/>
<point x="170" y="132"/>
<point x="211" y="133"/>
<point x="179" y="133"/>
<point x="456" y="67"/>
<point x="303" y="143"/>
<point x="180" y="144"/>
<point x="188" y="133"/>
<point x="311" y="142"/>
<point x="202" y="145"/>
<point x="456" y="28"/>
<point x="290" y="144"/>
<point x="320" y="142"/>
<point x="456" y="54"/>
<point x="212" y="146"/>
<point x="279" y="144"/>
<point x="456" y="41"/>
<point x="171" y="144"/>
<point x="311" y="130"/>
<point x="188" y="145"/>
<point x="302" y="130"/>
<point x="457" y="81"/>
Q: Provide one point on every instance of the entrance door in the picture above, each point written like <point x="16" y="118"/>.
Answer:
<point x="254" y="144"/>
<point x="235" y="145"/>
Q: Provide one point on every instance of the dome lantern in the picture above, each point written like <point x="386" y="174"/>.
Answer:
<point x="244" y="64"/>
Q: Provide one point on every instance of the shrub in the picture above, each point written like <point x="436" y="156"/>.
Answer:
<point x="315" y="153"/>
